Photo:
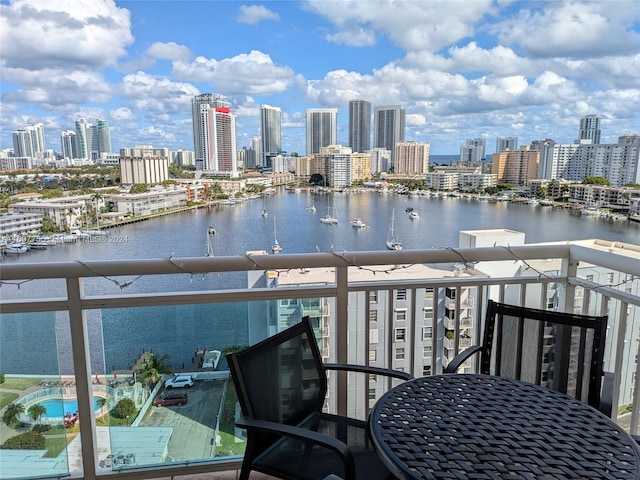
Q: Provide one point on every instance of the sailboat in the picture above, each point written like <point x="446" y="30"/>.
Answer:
<point x="329" y="218"/>
<point x="392" y="238"/>
<point x="275" y="246"/>
<point x="210" y="231"/>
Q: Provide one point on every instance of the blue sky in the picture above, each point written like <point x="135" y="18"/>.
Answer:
<point x="461" y="69"/>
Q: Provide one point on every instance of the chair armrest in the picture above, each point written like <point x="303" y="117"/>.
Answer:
<point x="606" y="393"/>
<point x="348" y="367"/>
<point x="330" y="443"/>
<point x="461" y="358"/>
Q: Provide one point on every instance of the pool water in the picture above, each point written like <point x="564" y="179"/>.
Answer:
<point x="57" y="408"/>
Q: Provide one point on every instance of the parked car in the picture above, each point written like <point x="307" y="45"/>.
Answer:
<point x="171" y="398"/>
<point x="179" y="381"/>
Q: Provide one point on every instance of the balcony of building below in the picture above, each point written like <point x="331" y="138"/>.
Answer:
<point x="344" y="343"/>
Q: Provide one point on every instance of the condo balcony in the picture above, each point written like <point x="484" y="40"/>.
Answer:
<point x="68" y="328"/>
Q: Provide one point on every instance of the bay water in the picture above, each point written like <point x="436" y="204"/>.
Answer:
<point x="39" y="343"/>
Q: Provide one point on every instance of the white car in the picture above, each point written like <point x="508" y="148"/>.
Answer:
<point x="179" y="381"/>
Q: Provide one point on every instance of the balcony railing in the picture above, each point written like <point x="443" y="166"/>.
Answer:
<point x="346" y="284"/>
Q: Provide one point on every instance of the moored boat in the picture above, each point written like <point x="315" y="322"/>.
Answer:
<point x="414" y="215"/>
<point x="393" y="243"/>
<point x="16" y="248"/>
<point x="358" y="223"/>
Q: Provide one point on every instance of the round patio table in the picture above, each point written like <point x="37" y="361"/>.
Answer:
<point x="488" y="427"/>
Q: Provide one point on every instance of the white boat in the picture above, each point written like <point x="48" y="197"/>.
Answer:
<point x="42" y="242"/>
<point x="211" y="358"/>
<point x="590" y="211"/>
<point x="210" y="231"/>
<point x="330" y="217"/>
<point x="16" y="248"/>
<point x="264" y="212"/>
<point x="392" y="237"/>
<point x="275" y="246"/>
<point x="358" y="223"/>
<point x="414" y="215"/>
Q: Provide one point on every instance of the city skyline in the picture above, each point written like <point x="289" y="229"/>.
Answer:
<point x="479" y="69"/>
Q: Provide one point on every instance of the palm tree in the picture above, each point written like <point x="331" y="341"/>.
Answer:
<point x="96" y="197"/>
<point x="101" y="402"/>
<point x="36" y="411"/>
<point x="11" y="414"/>
<point x="153" y="367"/>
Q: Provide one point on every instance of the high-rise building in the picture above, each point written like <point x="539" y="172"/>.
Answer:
<point x="212" y="100"/>
<point x="516" y="167"/>
<point x="473" y="152"/>
<point x="92" y="140"/>
<point x="388" y="128"/>
<point x="69" y="144"/>
<point x="360" y="125"/>
<point x="271" y="134"/>
<point x="412" y="157"/>
<point x="506" y="143"/>
<point x="322" y="128"/>
<point x="29" y="141"/>
<point x="104" y="136"/>
<point x="214" y="135"/>
<point x="590" y="129"/>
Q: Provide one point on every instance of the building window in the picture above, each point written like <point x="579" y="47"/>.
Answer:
<point x="400" y="353"/>
<point x="426" y="370"/>
<point x="428" y="313"/>
<point x="372" y="394"/>
<point x="427" y="351"/>
<point x="610" y="278"/>
<point x="401" y="315"/>
<point x="450" y="293"/>
<point x="373" y="378"/>
<point x="401" y="334"/>
<point x="373" y="296"/>
<point x="401" y="294"/>
<point x="373" y="316"/>
<point x="427" y="333"/>
<point x="372" y="356"/>
<point x="428" y="293"/>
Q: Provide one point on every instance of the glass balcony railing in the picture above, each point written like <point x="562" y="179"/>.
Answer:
<point x="86" y="348"/>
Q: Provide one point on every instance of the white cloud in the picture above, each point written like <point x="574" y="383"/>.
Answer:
<point x="252" y="14"/>
<point x="149" y="93"/>
<point x="169" y="51"/>
<point x="121" y="114"/>
<point x="356" y="37"/>
<point x="582" y="29"/>
<point x="412" y="25"/>
<point x="66" y="33"/>
<point x="252" y="73"/>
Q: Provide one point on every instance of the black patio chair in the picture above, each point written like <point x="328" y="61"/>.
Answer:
<point x="282" y="384"/>
<point x="561" y="351"/>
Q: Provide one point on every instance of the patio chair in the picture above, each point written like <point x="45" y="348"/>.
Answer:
<point x="561" y="351"/>
<point x="282" y="385"/>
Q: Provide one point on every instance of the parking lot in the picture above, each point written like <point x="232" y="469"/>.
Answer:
<point x="193" y="424"/>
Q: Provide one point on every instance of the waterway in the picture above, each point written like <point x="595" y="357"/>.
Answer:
<point x="39" y="343"/>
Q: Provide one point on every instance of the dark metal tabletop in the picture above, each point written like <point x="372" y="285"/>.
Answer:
<point x="488" y="427"/>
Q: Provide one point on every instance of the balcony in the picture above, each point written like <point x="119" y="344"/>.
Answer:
<point x="76" y="314"/>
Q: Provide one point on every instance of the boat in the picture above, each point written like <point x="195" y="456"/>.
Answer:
<point x="275" y="246"/>
<point x="16" y="248"/>
<point x="408" y="209"/>
<point x="392" y="238"/>
<point x="210" y="231"/>
<point x="42" y="242"/>
<point x="414" y="215"/>
<point x="264" y="212"/>
<point x="590" y="211"/>
<point x="211" y="358"/>
<point x="330" y="217"/>
<point x="358" y="223"/>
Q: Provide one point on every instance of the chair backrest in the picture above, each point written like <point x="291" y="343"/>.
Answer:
<point x="562" y="351"/>
<point x="280" y="379"/>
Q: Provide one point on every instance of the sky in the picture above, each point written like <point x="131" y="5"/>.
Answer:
<point x="461" y="69"/>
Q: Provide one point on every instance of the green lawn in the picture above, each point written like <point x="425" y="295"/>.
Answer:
<point x="6" y="398"/>
<point x="19" y="383"/>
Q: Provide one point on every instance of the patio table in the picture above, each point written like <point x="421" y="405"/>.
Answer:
<point x="489" y="427"/>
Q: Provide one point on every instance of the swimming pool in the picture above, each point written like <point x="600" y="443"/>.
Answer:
<point x="57" y="408"/>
